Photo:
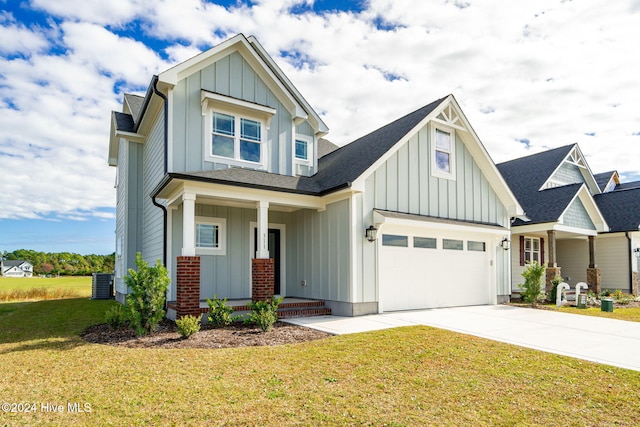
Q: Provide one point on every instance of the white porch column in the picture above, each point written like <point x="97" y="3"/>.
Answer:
<point x="188" y="224"/>
<point x="262" y="250"/>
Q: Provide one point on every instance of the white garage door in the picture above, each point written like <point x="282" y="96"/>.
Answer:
<point x="430" y="270"/>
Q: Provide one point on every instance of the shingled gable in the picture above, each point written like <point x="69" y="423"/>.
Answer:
<point x="527" y="178"/>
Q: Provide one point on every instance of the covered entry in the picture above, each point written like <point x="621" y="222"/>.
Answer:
<point x="436" y="264"/>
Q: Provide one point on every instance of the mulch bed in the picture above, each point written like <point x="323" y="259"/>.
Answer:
<point x="236" y="335"/>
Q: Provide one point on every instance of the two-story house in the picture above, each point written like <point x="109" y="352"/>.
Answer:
<point x="224" y="175"/>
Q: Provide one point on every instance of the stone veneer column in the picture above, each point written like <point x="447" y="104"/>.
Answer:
<point x="550" y="274"/>
<point x="594" y="281"/>
<point x="262" y="278"/>
<point x="188" y="286"/>
<point x="634" y="283"/>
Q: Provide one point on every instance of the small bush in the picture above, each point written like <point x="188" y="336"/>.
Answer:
<point x="264" y="313"/>
<point x="148" y="294"/>
<point x="117" y="317"/>
<point x="554" y="289"/>
<point x="532" y="288"/>
<point x="219" y="312"/>
<point x="188" y="325"/>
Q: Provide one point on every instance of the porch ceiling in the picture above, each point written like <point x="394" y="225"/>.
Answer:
<point x="562" y="231"/>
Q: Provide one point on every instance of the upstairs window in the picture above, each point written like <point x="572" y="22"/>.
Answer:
<point x="236" y="137"/>
<point x="443" y="151"/>
<point x="302" y="150"/>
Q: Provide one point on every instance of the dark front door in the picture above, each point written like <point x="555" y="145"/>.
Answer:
<point x="274" y="252"/>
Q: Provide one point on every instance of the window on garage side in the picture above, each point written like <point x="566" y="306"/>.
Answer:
<point x="476" y="246"/>
<point x="395" y="240"/>
<point x="425" y="242"/>
<point x="451" y="244"/>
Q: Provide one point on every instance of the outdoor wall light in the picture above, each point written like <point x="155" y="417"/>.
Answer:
<point x="371" y="233"/>
<point x="636" y="251"/>
<point x="506" y="244"/>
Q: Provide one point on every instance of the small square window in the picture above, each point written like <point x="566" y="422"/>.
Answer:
<point x="425" y="242"/>
<point x="207" y="236"/>
<point x="210" y="236"/>
<point x="393" y="240"/>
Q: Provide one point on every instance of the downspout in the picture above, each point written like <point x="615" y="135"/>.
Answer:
<point x="630" y="259"/>
<point x="166" y="167"/>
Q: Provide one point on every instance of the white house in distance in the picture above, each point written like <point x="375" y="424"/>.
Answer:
<point x="224" y="175"/>
<point x="16" y="268"/>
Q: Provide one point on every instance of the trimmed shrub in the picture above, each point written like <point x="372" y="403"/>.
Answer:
<point x="264" y="313"/>
<point x="219" y="312"/>
<point x="532" y="288"/>
<point x="148" y="294"/>
<point x="117" y="317"/>
<point x="188" y="325"/>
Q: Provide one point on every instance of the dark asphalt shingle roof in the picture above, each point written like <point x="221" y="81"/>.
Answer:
<point x="325" y="147"/>
<point x="135" y="104"/>
<point x="602" y="179"/>
<point x="547" y="205"/>
<point x="526" y="175"/>
<point x="346" y="164"/>
<point x="627" y="185"/>
<point x="254" y="179"/>
<point x="337" y="169"/>
<point x="124" y="122"/>
<point x="621" y="209"/>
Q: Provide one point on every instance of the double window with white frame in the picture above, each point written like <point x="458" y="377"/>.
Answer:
<point x="211" y="236"/>
<point x="237" y="138"/>
<point x="443" y="151"/>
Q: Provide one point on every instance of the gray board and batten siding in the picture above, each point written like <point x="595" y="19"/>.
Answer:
<point x="315" y="249"/>
<point x="231" y="76"/>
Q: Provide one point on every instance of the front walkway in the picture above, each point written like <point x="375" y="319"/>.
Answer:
<point x="597" y="339"/>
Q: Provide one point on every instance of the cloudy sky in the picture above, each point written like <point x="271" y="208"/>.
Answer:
<point x="529" y="75"/>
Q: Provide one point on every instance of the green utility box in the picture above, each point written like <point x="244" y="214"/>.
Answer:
<point x="582" y="301"/>
<point x="607" y="305"/>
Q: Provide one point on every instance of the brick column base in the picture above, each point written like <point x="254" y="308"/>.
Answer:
<point x="188" y="286"/>
<point x="634" y="283"/>
<point x="550" y="274"/>
<point x="594" y="281"/>
<point x="262" y="279"/>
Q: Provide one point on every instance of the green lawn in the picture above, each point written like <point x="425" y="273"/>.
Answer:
<point x="405" y="376"/>
<point x="34" y="286"/>
<point x="631" y="314"/>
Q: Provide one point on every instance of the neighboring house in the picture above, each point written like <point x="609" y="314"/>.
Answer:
<point x="223" y="174"/>
<point x="17" y="268"/>
<point x="584" y="227"/>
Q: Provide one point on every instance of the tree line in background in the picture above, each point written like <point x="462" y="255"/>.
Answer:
<point x="63" y="263"/>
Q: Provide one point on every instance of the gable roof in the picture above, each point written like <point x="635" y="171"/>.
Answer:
<point x="528" y="174"/>
<point x="134" y="105"/>
<point x="621" y="209"/>
<point x="603" y="179"/>
<point x="352" y="160"/>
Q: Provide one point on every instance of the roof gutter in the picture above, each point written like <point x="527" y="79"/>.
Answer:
<point x="154" y="83"/>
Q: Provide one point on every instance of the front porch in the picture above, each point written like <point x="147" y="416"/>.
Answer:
<point x="288" y="308"/>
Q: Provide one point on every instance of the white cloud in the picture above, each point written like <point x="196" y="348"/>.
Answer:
<point x="549" y="72"/>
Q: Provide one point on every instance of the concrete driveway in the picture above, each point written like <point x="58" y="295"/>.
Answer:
<point x="597" y="339"/>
